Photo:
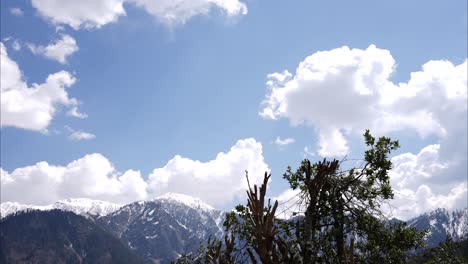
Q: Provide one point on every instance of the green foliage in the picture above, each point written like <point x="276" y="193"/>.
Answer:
<point x="448" y="252"/>
<point x="389" y="243"/>
<point x="340" y="220"/>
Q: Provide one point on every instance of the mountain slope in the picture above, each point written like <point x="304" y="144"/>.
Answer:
<point x="441" y="223"/>
<point x="164" y="228"/>
<point x="160" y="230"/>
<point x="59" y="237"/>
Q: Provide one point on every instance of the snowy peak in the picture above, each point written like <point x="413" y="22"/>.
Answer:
<point x="172" y="224"/>
<point x="84" y="206"/>
<point x="80" y="206"/>
<point x="187" y="200"/>
<point x="8" y="208"/>
<point x="440" y="223"/>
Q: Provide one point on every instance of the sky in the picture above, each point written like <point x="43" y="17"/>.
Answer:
<point x="125" y="100"/>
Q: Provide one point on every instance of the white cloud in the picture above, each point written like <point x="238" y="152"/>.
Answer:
<point x="173" y="12"/>
<point x="332" y="143"/>
<point x="80" y="135"/>
<point x="32" y="107"/>
<point x="216" y="181"/>
<point x="343" y="91"/>
<point x="283" y="142"/>
<point x="91" y="176"/>
<point x="424" y="182"/>
<point x="95" y="14"/>
<point x="16" y="11"/>
<point x="80" y="14"/>
<point x="76" y="113"/>
<point x="58" y="51"/>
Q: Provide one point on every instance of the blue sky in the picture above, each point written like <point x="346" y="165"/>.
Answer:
<point x="194" y="86"/>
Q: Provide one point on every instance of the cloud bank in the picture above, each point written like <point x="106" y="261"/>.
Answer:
<point x="216" y="182"/>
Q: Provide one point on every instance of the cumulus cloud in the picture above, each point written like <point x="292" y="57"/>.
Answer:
<point x="343" y="91"/>
<point x="426" y="181"/>
<point x="91" y="176"/>
<point x="80" y="14"/>
<point x="16" y="11"/>
<point x="216" y="181"/>
<point x="59" y="50"/>
<point x="95" y="14"/>
<point x="283" y="142"/>
<point x="32" y="107"/>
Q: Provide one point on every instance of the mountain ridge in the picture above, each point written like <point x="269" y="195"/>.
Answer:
<point x="161" y="229"/>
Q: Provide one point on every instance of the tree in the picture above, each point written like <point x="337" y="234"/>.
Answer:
<point x="447" y="252"/>
<point x="341" y="222"/>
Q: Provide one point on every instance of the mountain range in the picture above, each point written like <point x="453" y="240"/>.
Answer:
<point x="162" y="229"/>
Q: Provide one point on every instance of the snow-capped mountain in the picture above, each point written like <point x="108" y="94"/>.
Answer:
<point x="190" y="201"/>
<point x="162" y="229"/>
<point x="441" y="223"/>
<point x="80" y="206"/>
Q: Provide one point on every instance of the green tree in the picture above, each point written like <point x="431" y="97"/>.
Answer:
<point x="447" y="252"/>
<point x="340" y="221"/>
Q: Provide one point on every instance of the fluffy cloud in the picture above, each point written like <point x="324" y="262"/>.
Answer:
<point x="80" y="14"/>
<point x="283" y="142"/>
<point x="58" y="51"/>
<point x="92" y="176"/>
<point x="216" y="181"/>
<point x="95" y="14"/>
<point x="31" y="107"/>
<point x="343" y="91"/>
<point x="426" y="181"/>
